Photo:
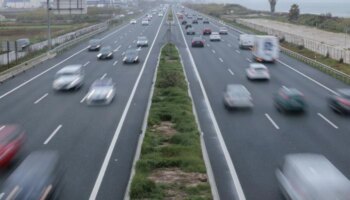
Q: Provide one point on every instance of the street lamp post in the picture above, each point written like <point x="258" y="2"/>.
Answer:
<point x="49" y="43"/>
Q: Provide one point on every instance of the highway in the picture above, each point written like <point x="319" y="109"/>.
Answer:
<point x="96" y="144"/>
<point x="258" y="140"/>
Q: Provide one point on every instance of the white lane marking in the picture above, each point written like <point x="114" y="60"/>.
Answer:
<point x="111" y="147"/>
<point x="115" y="63"/>
<point x="231" y="72"/>
<point x="134" y="41"/>
<point x="213" y="51"/>
<point x="308" y="77"/>
<point x="129" y="46"/>
<point x="104" y="76"/>
<point x="236" y="184"/>
<point x="2" y="127"/>
<point x="117" y="49"/>
<point x="115" y="42"/>
<point x="86" y="63"/>
<point x="327" y="120"/>
<point x="221" y="60"/>
<point x="53" y="134"/>
<point x="272" y="122"/>
<point x="139" y="49"/>
<point x="59" y="63"/>
<point x="123" y="53"/>
<point x="249" y="60"/>
<point x="238" y="51"/>
<point x="83" y="99"/>
<point x="41" y="98"/>
<point x="208" y="45"/>
<point x="223" y="40"/>
<point x="229" y="45"/>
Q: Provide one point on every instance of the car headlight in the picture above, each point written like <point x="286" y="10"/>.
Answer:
<point x="99" y="55"/>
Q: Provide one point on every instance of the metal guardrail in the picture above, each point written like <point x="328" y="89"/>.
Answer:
<point x="322" y="67"/>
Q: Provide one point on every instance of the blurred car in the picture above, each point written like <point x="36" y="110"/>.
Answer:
<point x="237" y="96"/>
<point x="340" y="102"/>
<point x="189" y="17"/>
<point x="197" y="42"/>
<point x="188" y="26"/>
<point x="290" y="100"/>
<point x="223" y="31"/>
<point x="194" y="21"/>
<point x="94" y="45"/>
<point x="184" y="22"/>
<point x="11" y="140"/>
<point x="37" y="177"/>
<point x="190" y="31"/>
<point x="142" y="41"/>
<point x="160" y="15"/>
<point x="257" y="71"/>
<point x="102" y="91"/>
<point x="199" y="18"/>
<point x="131" y="56"/>
<point x="145" y="22"/>
<point x="69" y="78"/>
<point x="205" y="21"/>
<point x="215" y="36"/>
<point x="311" y="176"/>
<point x="206" y="31"/>
<point x="105" y="53"/>
<point x="133" y="21"/>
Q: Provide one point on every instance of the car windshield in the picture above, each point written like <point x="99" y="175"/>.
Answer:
<point x="104" y="83"/>
<point x="344" y="93"/>
<point x="106" y="50"/>
<point x="94" y="42"/>
<point x="131" y="53"/>
<point x="142" y="38"/>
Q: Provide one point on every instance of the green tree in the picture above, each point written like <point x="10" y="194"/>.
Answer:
<point x="294" y="12"/>
<point x="273" y="5"/>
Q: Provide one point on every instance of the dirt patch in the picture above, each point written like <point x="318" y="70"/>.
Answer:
<point x="166" y="128"/>
<point x="177" y="176"/>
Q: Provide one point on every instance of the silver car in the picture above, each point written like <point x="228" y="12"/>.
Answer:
<point x="102" y="91"/>
<point x="69" y="78"/>
<point x="142" y="41"/>
<point x="257" y="71"/>
<point x="237" y="96"/>
<point x="312" y="176"/>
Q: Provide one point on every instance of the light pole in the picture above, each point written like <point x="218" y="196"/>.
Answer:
<point x="346" y="29"/>
<point x="48" y="26"/>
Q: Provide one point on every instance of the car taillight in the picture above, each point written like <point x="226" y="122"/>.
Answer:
<point x="343" y="101"/>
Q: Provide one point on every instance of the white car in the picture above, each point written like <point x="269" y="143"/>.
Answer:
<point x="133" y="21"/>
<point x="257" y="71"/>
<point x="160" y="15"/>
<point x="102" y="91"/>
<point x="215" y="36"/>
<point x="145" y="22"/>
<point x="70" y="77"/>
<point x="237" y="96"/>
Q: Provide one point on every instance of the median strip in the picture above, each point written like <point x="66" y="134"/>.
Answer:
<point x="171" y="165"/>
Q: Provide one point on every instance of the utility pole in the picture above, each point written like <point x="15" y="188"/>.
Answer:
<point x="49" y="43"/>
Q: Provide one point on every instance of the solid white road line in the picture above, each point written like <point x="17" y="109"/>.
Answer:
<point x="53" y="134"/>
<point x="2" y="127"/>
<point x="308" y="77"/>
<point x="221" y="60"/>
<point x="41" y="98"/>
<point x="115" y="63"/>
<point x="238" y="51"/>
<point x="272" y="122"/>
<point x="233" y="173"/>
<point x="327" y="120"/>
<point x="104" y="76"/>
<point x="117" y="49"/>
<point x="56" y="65"/>
<point x="111" y="147"/>
<point x="231" y="72"/>
<point x="86" y="63"/>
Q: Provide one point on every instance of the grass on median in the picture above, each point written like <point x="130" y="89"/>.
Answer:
<point x="171" y="163"/>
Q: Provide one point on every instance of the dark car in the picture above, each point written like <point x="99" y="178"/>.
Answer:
<point x="105" y="53"/>
<point x="340" y="102"/>
<point x="206" y="31"/>
<point x="188" y="26"/>
<point x="131" y="56"/>
<point x="94" y="45"/>
<point x="290" y="100"/>
<point x="206" y="21"/>
<point x="197" y="42"/>
<point x="37" y="177"/>
<point x="190" y="31"/>
<point x="184" y="22"/>
<point x="195" y="21"/>
<point x="11" y="140"/>
<point x="199" y="18"/>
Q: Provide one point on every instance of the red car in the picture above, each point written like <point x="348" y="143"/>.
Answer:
<point x="207" y="31"/>
<point x="11" y="140"/>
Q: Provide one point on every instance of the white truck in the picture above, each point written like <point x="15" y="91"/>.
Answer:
<point x="246" y="41"/>
<point x="266" y="49"/>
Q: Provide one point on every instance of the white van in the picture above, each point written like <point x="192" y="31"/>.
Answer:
<point x="266" y="48"/>
<point x="246" y="41"/>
